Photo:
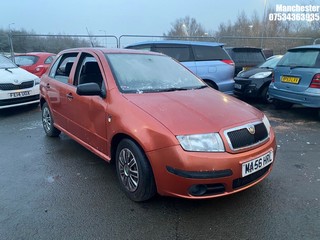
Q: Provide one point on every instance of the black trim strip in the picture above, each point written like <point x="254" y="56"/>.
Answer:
<point x="200" y="175"/>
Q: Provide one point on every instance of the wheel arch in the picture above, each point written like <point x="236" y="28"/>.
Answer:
<point x="211" y="83"/>
<point x="117" y="139"/>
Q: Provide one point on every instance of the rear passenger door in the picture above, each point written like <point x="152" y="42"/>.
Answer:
<point x="58" y="87"/>
<point x="180" y="52"/>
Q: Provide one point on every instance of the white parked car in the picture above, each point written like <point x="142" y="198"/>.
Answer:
<point x="17" y="86"/>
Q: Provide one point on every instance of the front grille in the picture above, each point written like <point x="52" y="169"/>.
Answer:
<point x="240" y="182"/>
<point x="240" y="138"/>
<point x="10" y="86"/>
<point x="19" y="100"/>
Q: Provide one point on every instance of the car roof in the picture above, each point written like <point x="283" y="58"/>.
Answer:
<point x="243" y="48"/>
<point x="34" y="54"/>
<point x="198" y="43"/>
<point x="110" y="50"/>
<point x="315" y="46"/>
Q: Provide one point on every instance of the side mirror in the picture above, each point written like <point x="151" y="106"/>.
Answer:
<point x="89" y="89"/>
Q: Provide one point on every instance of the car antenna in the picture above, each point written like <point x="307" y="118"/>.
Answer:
<point x="90" y="37"/>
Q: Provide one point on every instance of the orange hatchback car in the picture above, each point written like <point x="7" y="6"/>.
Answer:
<point x="165" y="129"/>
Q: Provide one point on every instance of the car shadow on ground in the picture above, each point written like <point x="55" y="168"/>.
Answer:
<point x="7" y="112"/>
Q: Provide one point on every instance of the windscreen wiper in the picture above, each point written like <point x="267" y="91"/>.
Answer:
<point x="7" y="69"/>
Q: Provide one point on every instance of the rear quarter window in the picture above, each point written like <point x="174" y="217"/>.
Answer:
<point x="208" y="53"/>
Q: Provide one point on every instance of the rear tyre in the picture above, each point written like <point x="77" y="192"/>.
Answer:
<point x="281" y="104"/>
<point x="134" y="171"/>
<point x="47" y="122"/>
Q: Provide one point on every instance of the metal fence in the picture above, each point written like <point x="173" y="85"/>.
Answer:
<point x="10" y="43"/>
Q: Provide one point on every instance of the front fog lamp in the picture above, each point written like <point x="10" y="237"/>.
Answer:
<point x="210" y="142"/>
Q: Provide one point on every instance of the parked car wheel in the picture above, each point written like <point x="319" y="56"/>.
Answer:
<point x="281" y="104"/>
<point x="47" y="122"/>
<point x="134" y="171"/>
<point x="265" y="95"/>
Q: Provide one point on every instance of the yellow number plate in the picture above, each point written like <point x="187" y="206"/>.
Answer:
<point x="286" y="79"/>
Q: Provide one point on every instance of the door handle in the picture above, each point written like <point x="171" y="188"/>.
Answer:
<point x="69" y="96"/>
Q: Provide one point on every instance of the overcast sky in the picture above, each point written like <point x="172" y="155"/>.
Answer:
<point x="118" y="17"/>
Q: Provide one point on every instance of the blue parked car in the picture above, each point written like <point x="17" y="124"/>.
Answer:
<point x="208" y="60"/>
<point x="297" y="78"/>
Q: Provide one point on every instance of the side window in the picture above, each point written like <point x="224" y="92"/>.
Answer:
<point x="62" y="67"/>
<point x="49" y="60"/>
<point x="88" y="71"/>
<point x="209" y="53"/>
<point x="180" y="52"/>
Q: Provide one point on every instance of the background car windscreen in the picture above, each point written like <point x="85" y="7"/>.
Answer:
<point x="301" y="58"/>
<point x="25" y="60"/>
<point x="6" y="63"/>
<point x="248" y="56"/>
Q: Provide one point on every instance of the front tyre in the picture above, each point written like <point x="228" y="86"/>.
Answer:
<point x="47" y="122"/>
<point x="134" y="171"/>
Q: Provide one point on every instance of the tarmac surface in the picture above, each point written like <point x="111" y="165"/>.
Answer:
<point x="53" y="188"/>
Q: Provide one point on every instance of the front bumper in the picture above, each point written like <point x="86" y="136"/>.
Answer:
<point x="205" y="175"/>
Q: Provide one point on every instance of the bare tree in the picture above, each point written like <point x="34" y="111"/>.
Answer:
<point x="186" y="27"/>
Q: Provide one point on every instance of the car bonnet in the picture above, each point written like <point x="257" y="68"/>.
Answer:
<point x="195" y="111"/>
<point x="14" y="75"/>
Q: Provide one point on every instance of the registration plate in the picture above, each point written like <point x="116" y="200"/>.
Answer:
<point x="287" y="79"/>
<point x="19" y="94"/>
<point x="257" y="164"/>
<point x="237" y="86"/>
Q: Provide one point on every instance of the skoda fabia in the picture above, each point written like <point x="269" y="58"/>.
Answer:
<point x="165" y="129"/>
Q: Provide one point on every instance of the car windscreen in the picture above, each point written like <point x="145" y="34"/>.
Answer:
<point x="6" y="63"/>
<point x="139" y="73"/>
<point x="25" y="60"/>
<point x="271" y="63"/>
<point x="301" y="58"/>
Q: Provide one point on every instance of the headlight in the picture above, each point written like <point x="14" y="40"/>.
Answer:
<point x="37" y="81"/>
<point x="261" y="75"/>
<point x="266" y="123"/>
<point x="210" y="142"/>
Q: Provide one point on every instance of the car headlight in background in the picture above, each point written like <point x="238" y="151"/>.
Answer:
<point x="261" y="75"/>
<point x="210" y="142"/>
<point x="266" y="123"/>
<point x="36" y="81"/>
